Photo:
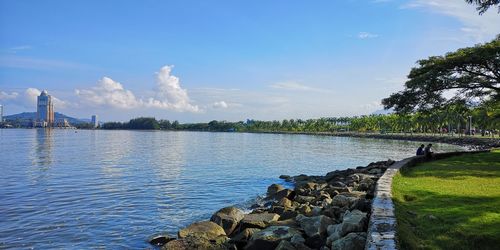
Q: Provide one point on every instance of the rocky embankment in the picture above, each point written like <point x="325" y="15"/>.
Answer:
<point x="321" y="212"/>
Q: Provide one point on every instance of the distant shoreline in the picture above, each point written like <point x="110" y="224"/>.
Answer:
<point x="474" y="142"/>
<point x="466" y="141"/>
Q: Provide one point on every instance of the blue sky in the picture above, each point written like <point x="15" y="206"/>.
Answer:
<point x="225" y="60"/>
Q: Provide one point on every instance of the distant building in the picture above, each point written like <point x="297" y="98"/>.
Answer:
<point x="95" y="122"/>
<point x="44" y="111"/>
<point x="63" y="123"/>
<point x="1" y="113"/>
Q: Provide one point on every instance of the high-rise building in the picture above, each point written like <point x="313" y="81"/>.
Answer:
<point x="1" y="113"/>
<point x="45" y="110"/>
<point x="95" y="122"/>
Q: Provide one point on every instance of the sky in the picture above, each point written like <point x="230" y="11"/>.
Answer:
<point x="196" y="61"/>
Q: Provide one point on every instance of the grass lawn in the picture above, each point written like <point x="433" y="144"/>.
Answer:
<point x="450" y="204"/>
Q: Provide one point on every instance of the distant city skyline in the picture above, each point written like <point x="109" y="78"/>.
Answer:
<point x="198" y="61"/>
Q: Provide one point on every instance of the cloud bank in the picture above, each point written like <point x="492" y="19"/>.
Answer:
<point x="169" y="94"/>
<point x="27" y="98"/>
<point x="477" y="27"/>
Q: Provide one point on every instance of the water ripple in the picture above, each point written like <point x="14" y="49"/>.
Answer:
<point x="112" y="189"/>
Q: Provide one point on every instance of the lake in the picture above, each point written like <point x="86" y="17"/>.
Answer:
<point x="86" y="189"/>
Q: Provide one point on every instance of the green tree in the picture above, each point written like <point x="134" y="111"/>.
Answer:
<point x="474" y="74"/>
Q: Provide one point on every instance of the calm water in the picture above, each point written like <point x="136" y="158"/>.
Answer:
<point x="113" y="189"/>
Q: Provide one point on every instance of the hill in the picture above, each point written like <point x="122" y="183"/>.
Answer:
<point x="26" y="117"/>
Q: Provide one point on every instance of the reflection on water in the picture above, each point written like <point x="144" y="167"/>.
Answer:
<point x="92" y="189"/>
<point x="42" y="147"/>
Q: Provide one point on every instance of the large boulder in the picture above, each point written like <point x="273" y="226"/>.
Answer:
<point x="206" y="229"/>
<point x="352" y="241"/>
<point x="285" y="193"/>
<point x="274" y="189"/>
<point x="200" y="242"/>
<point x="261" y="220"/>
<point x="228" y="218"/>
<point x="285" y="202"/>
<point x="354" y="221"/>
<point x="160" y="239"/>
<point x="241" y="239"/>
<point x="314" y="226"/>
<point x="341" y="200"/>
<point x="270" y="237"/>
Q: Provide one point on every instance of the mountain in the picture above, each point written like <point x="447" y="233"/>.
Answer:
<point x="26" y="117"/>
<point x="383" y="111"/>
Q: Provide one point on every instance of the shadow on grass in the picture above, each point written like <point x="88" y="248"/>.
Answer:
<point x="428" y="220"/>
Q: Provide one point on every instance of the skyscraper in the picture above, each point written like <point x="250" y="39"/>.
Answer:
<point x="45" y="110"/>
<point x="95" y="122"/>
<point x="1" y="113"/>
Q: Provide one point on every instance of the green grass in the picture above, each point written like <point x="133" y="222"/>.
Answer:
<point x="449" y="204"/>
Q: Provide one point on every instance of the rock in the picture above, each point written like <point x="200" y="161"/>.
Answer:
<point x="376" y="171"/>
<point x="315" y="211"/>
<point x="277" y="210"/>
<point x="285" y="245"/>
<point x="333" y="233"/>
<point x="352" y="241"/>
<point x="305" y="209"/>
<point x="297" y="239"/>
<point x="301" y="177"/>
<point x="228" y="218"/>
<point x="261" y="220"/>
<point x="285" y="193"/>
<point x="243" y="237"/>
<point x="207" y="229"/>
<point x="354" y="221"/>
<point x="288" y="214"/>
<point x="285" y="177"/>
<point x="314" y="226"/>
<point x="338" y="184"/>
<point x="304" y="199"/>
<point x="290" y="223"/>
<point x="366" y="184"/>
<point x="270" y="237"/>
<point x="199" y="242"/>
<point x="363" y="205"/>
<point x="285" y="202"/>
<point x="341" y="200"/>
<point x="273" y="189"/>
<point x="160" y="239"/>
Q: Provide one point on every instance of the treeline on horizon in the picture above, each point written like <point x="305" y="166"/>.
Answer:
<point x="485" y="119"/>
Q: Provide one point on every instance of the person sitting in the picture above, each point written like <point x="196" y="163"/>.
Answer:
<point x="420" y="150"/>
<point x="428" y="151"/>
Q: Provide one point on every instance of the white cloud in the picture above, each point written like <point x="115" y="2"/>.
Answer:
<point x="220" y="104"/>
<point x="109" y="93"/>
<point x="4" y="96"/>
<point x="295" y="86"/>
<point x="28" y="98"/>
<point x="477" y="27"/>
<point x="169" y="94"/>
<point x="367" y="35"/>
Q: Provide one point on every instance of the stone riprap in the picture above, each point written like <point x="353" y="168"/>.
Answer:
<point x="320" y="212"/>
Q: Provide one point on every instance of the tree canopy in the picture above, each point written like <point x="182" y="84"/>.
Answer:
<point x="473" y="74"/>
<point x="484" y="5"/>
